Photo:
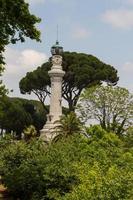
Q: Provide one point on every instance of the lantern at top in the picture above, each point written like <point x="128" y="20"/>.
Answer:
<point x="56" y="49"/>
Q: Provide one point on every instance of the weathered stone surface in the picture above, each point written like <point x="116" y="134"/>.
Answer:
<point x="56" y="75"/>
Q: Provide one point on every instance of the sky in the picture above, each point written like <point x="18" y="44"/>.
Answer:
<point x="103" y="28"/>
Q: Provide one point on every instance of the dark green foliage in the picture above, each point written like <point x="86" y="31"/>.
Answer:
<point x="37" y="82"/>
<point x="31" y="170"/>
<point x="16" y="114"/>
<point x="128" y="137"/>
<point x="16" y="23"/>
<point x="74" y="168"/>
<point x="22" y="165"/>
<point x="3" y="90"/>
<point x="68" y="125"/>
<point x="82" y="71"/>
<point x="14" y="117"/>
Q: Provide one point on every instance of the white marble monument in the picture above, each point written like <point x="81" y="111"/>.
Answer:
<point x="56" y="75"/>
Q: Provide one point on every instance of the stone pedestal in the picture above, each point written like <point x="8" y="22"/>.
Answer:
<point x="56" y="75"/>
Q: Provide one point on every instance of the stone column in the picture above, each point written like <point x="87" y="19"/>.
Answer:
<point x="56" y="75"/>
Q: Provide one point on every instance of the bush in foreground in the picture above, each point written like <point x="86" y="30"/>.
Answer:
<point x="97" y="167"/>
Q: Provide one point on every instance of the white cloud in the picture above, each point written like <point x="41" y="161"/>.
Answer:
<point x="31" y="57"/>
<point x="80" y="33"/>
<point x="120" y="18"/>
<point x="23" y="61"/>
<point x="18" y="63"/>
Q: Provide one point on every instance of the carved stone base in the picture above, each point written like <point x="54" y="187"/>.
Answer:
<point x="50" y="129"/>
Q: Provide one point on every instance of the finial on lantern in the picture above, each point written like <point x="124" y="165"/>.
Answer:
<point x="57" y="33"/>
<point x="57" y="49"/>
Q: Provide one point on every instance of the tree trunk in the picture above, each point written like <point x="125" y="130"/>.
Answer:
<point x="71" y="106"/>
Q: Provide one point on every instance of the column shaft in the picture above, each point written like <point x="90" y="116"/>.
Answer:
<point x="55" y="101"/>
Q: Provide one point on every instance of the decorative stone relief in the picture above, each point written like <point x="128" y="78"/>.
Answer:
<point x="57" y="60"/>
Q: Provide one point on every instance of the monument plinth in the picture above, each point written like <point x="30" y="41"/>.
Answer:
<point x="56" y="75"/>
